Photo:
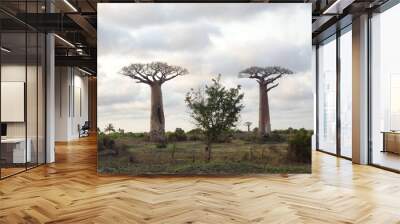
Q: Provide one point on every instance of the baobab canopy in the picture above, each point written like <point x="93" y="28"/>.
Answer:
<point x="149" y="73"/>
<point x="267" y="74"/>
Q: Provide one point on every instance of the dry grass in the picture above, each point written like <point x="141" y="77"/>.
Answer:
<point x="186" y="158"/>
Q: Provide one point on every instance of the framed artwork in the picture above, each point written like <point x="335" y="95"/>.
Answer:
<point x="204" y="89"/>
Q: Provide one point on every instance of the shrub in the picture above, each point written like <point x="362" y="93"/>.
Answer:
<point x="195" y="134"/>
<point x="105" y="142"/>
<point x="131" y="134"/>
<point x="300" y="146"/>
<point x="180" y="134"/>
<point x="108" y="144"/>
<point x="226" y="136"/>
<point x="275" y="136"/>
<point x="100" y="143"/>
<point x="238" y="131"/>
<point x="246" y="136"/>
<point x="170" y="136"/>
<point x="161" y="145"/>
<point x="119" y="148"/>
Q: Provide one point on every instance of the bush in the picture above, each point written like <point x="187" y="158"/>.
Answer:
<point x="105" y="142"/>
<point x="140" y="135"/>
<point x="119" y="148"/>
<point x="275" y="136"/>
<point x="178" y="135"/>
<point x="195" y="134"/>
<point x="226" y="137"/>
<point x="161" y="145"/>
<point x="108" y="144"/>
<point x="130" y="134"/>
<point x="300" y="146"/>
<point x="170" y="136"/>
<point x="246" y="136"/>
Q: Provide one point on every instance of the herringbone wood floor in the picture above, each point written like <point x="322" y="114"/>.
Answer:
<point x="70" y="191"/>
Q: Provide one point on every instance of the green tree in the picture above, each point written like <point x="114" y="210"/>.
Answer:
<point x="214" y="110"/>
<point x="110" y="128"/>
<point x="180" y="134"/>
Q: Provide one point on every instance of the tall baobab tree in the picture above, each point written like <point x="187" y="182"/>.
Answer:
<point x="248" y="124"/>
<point x="267" y="79"/>
<point x="154" y="74"/>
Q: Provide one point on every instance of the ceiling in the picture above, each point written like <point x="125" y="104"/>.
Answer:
<point x="75" y="22"/>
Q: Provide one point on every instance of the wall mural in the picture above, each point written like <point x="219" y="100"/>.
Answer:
<point x="193" y="89"/>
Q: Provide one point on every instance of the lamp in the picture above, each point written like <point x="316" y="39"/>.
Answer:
<point x="64" y="40"/>
<point x="70" y="5"/>
<point x="5" y="50"/>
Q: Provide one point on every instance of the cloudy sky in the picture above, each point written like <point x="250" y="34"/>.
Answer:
<point x="207" y="39"/>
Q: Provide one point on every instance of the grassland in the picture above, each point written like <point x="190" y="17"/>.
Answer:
<point x="136" y="156"/>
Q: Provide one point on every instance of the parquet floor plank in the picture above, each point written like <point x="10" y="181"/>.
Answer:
<point x="70" y="191"/>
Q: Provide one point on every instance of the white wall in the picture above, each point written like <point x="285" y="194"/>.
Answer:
<point x="71" y="94"/>
<point x="62" y="81"/>
<point x="12" y="73"/>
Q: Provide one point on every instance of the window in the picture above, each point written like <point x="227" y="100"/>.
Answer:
<point x="22" y="86"/>
<point x="385" y="89"/>
<point x="327" y="96"/>
<point x="346" y="92"/>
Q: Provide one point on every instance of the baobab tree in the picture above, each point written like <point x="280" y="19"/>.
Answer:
<point x="154" y="74"/>
<point x="248" y="124"/>
<point x="267" y="79"/>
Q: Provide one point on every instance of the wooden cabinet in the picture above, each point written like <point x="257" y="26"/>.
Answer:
<point x="391" y="142"/>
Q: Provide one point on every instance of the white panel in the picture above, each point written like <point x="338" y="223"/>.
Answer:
<point x="77" y="102"/>
<point x="12" y="101"/>
<point x="394" y="102"/>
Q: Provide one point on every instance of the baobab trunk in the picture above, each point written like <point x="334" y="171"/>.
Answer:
<point x="157" y="121"/>
<point x="264" y="124"/>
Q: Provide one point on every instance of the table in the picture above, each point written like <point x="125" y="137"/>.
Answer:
<point x="13" y="150"/>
